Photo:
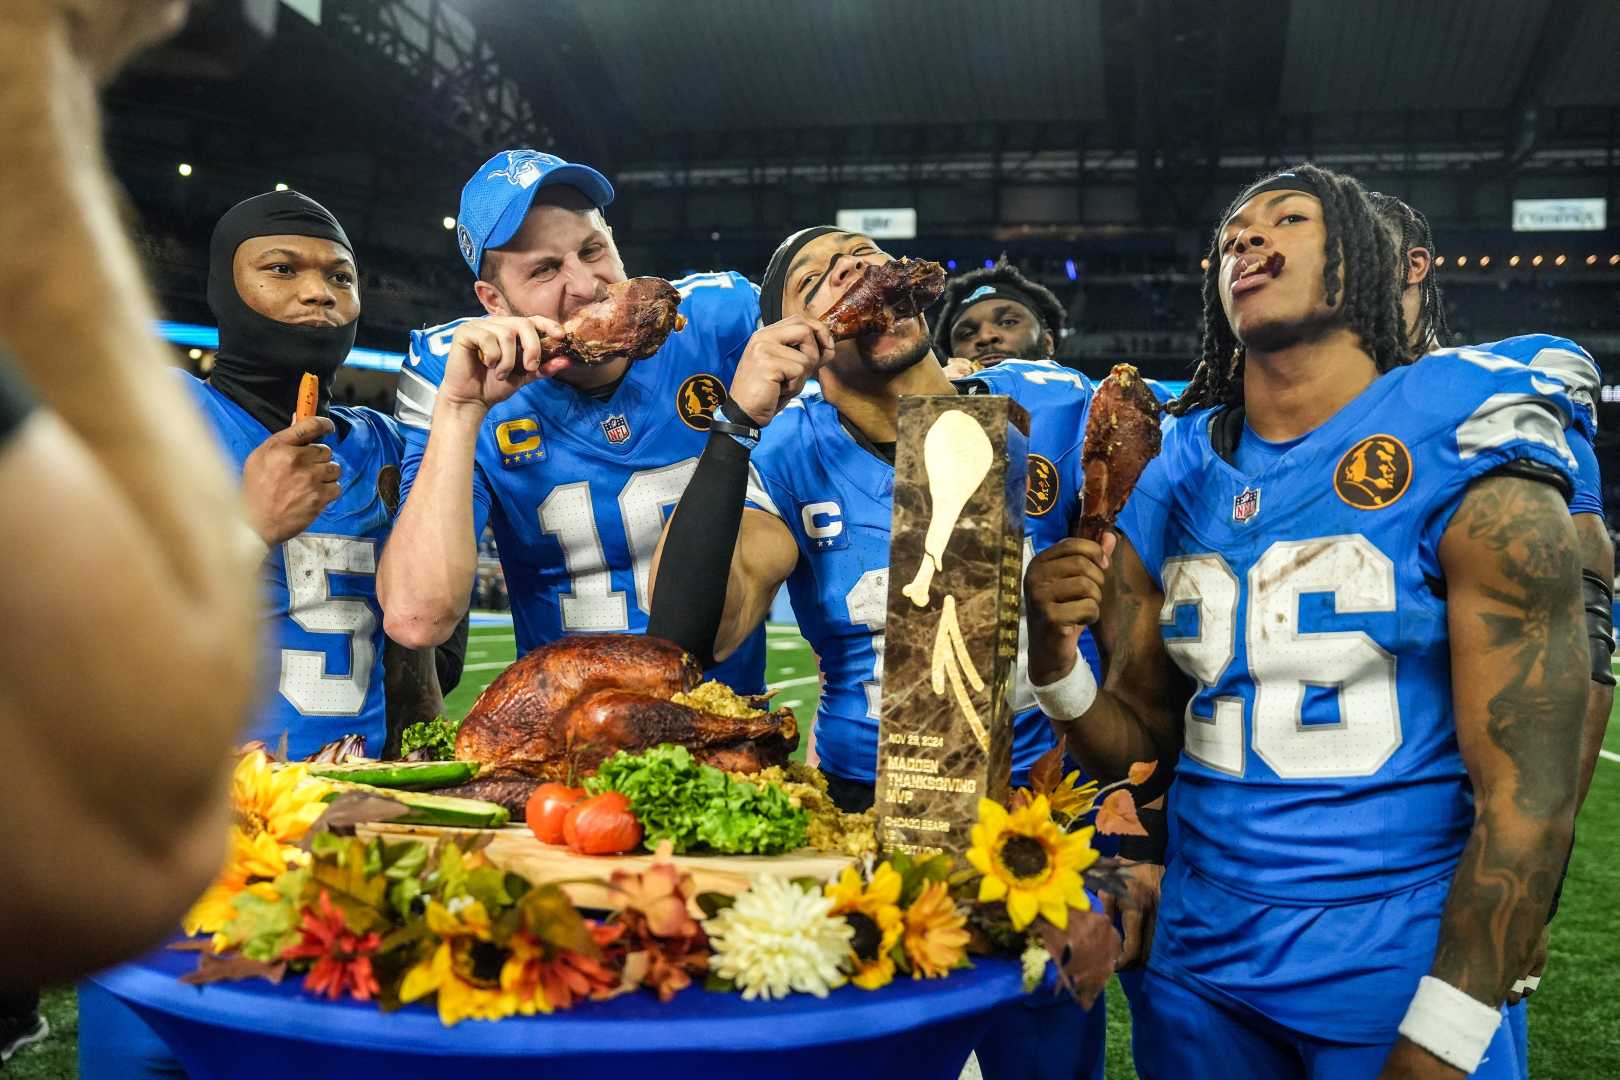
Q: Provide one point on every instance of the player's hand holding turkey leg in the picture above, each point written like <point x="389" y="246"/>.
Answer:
<point x="492" y="357"/>
<point x="289" y="479"/>
<point x="1063" y="590"/>
<point x="776" y="363"/>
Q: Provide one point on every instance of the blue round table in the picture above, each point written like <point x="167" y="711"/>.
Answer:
<point x="248" y="1030"/>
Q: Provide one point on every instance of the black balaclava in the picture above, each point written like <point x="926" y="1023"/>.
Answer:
<point x="260" y="361"/>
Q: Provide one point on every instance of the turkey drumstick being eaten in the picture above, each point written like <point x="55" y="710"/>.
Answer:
<point x="1122" y="436"/>
<point x="629" y="323"/>
<point x="886" y="293"/>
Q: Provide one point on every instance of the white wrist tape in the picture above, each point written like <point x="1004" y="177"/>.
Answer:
<point x="1070" y="696"/>
<point x="1449" y="1024"/>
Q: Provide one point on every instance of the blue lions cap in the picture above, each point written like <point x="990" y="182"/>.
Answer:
<point x="497" y="198"/>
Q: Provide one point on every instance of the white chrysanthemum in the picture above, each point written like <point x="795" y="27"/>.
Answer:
<point x="778" y="938"/>
<point x="1034" y="959"/>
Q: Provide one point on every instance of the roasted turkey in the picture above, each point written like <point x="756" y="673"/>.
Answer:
<point x="630" y="322"/>
<point x="886" y="293"/>
<point x="560" y="711"/>
<point x="1122" y="436"/>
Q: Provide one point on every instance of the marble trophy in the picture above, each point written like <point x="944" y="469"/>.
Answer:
<point x="951" y="635"/>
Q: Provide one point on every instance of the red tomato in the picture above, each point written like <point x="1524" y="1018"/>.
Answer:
<point x="546" y="809"/>
<point x="602" y="825"/>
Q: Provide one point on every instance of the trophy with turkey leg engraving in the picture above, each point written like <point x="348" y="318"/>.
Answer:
<point x="951" y="635"/>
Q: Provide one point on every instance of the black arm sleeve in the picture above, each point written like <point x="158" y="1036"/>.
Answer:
<point x="450" y="657"/>
<point x="689" y="598"/>
<point x="16" y="402"/>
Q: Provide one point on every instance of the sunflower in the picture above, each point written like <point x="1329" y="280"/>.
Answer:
<point x="254" y="859"/>
<point x="464" y="969"/>
<point x="873" y="913"/>
<point x="936" y="935"/>
<point x="1027" y="860"/>
<point x="282" y="800"/>
<point x="1072" y="799"/>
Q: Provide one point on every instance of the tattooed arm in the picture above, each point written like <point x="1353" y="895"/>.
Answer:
<point x="1519" y="677"/>
<point x="1137" y="713"/>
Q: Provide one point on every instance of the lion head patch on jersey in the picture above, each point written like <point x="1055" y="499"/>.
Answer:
<point x="1043" y="486"/>
<point x="697" y="399"/>
<point x="1373" y="473"/>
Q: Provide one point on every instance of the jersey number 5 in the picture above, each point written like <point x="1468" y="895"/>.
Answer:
<point x="1284" y="661"/>
<point x="310" y="559"/>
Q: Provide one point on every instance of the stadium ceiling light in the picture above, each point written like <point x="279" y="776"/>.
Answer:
<point x="1536" y="261"/>
<point x="281" y="187"/>
<point x="195" y="354"/>
<point x="185" y="168"/>
<point x="448" y="223"/>
<point x="1439" y="260"/>
<point x="1484" y="260"/>
<point x="1591" y="260"/>
<point x="1558" y="261"/>
<point x="1513" y="260"/>
<point x="950" y="264"/>
<point x="1614" y="260"/>
<point x="1462" y="260"/>
<point x="1203" y="264"/>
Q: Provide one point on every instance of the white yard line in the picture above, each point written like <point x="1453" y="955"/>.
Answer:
<point x="1608" y="755"/>
<point x="490" y="666"/>
<point x="803" y="680"/>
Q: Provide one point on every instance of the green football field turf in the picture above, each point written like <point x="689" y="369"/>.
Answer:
<point x="1574" y="1024"/>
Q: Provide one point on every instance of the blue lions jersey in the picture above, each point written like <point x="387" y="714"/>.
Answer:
<point x="836" y="499"/>
<point x="577" y="490"/>
<point x="321" y="586"/>
<point x="1320" y="774"/>
<point x="1562" y="359"/>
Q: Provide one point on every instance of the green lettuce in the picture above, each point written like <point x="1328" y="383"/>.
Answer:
<point x="697" y="806"/>
<point x="437" y="736"/>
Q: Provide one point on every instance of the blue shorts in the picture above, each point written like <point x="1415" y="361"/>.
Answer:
<point x="1343" y="973"/>
<point x="1182" y="1035"/>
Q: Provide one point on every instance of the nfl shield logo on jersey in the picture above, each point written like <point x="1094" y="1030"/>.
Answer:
<point x="1246" y="505"/>
<point x="616" y="428"/>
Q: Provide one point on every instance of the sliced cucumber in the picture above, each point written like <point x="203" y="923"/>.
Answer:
<point x="435" y="809"/>
<point x="406" y="775"/>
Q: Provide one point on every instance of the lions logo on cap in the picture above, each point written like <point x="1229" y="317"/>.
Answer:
<point x="1043" y="486"/>
<point x="464" y="239"/>
<point x="1373" y="473"/>
<point x="523" y="167"/>
<point x="697" y="399"/>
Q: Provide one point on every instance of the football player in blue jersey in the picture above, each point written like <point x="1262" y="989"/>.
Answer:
<point x="1424" y="310"/>
<point x="320" y="493"/>
<point x="1346" y="596"/>
<point x="797" y="489"/>
<point x="574" y="467"/>
<point x="993" y="314"/>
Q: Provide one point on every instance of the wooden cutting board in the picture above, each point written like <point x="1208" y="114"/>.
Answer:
<point x="584" y="877"/>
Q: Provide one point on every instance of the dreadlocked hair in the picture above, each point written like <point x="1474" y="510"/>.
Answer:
<point x="1412" y="230"/>
<point x="1358" y="242"/>
<point x="962" y="286"/>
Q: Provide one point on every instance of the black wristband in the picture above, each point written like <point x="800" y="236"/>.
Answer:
<point x="1150" y="848"/>
<point x="689" y="598"/>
